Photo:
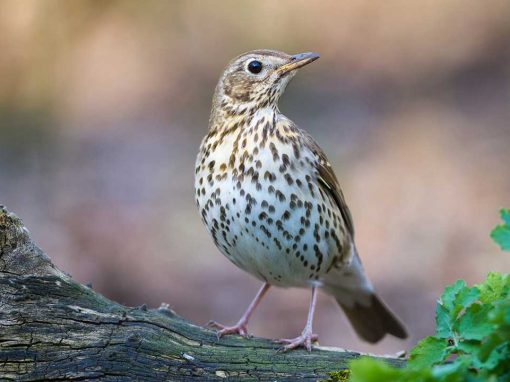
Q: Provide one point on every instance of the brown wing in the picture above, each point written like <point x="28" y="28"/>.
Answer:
<point x="329" y="183"/>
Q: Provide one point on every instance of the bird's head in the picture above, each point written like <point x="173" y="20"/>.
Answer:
<point x="257" y="79"/>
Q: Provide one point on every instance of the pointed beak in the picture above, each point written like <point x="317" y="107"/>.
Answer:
<point x="297" y="61"/>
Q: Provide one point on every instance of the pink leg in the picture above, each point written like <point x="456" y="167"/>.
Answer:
<point x="307" y="337"/>
<point x="241" y="326"/>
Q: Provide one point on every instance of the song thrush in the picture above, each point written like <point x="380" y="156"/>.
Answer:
<point x="272" y="203"/>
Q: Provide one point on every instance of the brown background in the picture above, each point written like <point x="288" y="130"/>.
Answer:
<point x="103" y="105"/>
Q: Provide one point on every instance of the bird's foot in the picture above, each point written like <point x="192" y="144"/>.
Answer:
<point x="304" y="340"/>
<point x="239" y="328"/>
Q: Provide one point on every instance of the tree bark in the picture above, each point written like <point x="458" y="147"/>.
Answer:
<point x="54" y="329"/>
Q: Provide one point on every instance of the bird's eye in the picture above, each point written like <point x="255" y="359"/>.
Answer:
<point x="255" y="67"/>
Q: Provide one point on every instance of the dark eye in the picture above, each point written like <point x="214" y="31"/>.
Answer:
<point x="255" y="67"/>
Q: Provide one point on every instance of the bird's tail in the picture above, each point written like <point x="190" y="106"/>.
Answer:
<point x="374" y="321"/>
<point x="367" y="313"/>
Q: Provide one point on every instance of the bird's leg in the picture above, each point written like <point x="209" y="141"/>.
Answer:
<point x="307" y="337"/>
<point x="241" y="326"/>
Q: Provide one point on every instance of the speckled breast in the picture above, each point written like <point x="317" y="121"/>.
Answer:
<point x="258" y="197"/>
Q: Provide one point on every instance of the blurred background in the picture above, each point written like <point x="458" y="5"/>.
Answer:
<point x="103" y="105"/>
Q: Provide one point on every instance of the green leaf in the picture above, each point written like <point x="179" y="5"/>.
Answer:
<point x="501" y="314"/>
<point x="443" y="322"/>
<point x="428" y="352"/>
<point x="465" y="297"/>
<point x="496" y="285"/>
<point x="454" y="299"/>
<point x="505" y="216"/>
<point x="494" y="351"/>
<point x="501" y="233"/>
<point x="497" y="356"/>
<point x="450" y="293"/>
<point x="468" y="346"/>
<point x="370" y="370"/>
<point x="451" y="372"/>
<point x="474" y="324"/>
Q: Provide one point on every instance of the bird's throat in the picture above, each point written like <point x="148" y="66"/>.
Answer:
<point x="249" y="121"/>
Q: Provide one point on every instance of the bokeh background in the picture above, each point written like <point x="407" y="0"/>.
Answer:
<point x="103" y="105"/>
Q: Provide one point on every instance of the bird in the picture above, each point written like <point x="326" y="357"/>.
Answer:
<point x="272" y="203"/>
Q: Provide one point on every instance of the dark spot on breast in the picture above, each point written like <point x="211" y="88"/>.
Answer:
<point x="269" y="176"/>
<point x="295" y="149"/>
<point x="265" y="230"/>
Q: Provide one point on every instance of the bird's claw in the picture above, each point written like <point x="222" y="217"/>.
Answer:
<point x="304" y="340"/>
<point x="240" y="329"/>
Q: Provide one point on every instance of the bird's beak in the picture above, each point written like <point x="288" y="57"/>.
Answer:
<point x="297" y="61"/>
